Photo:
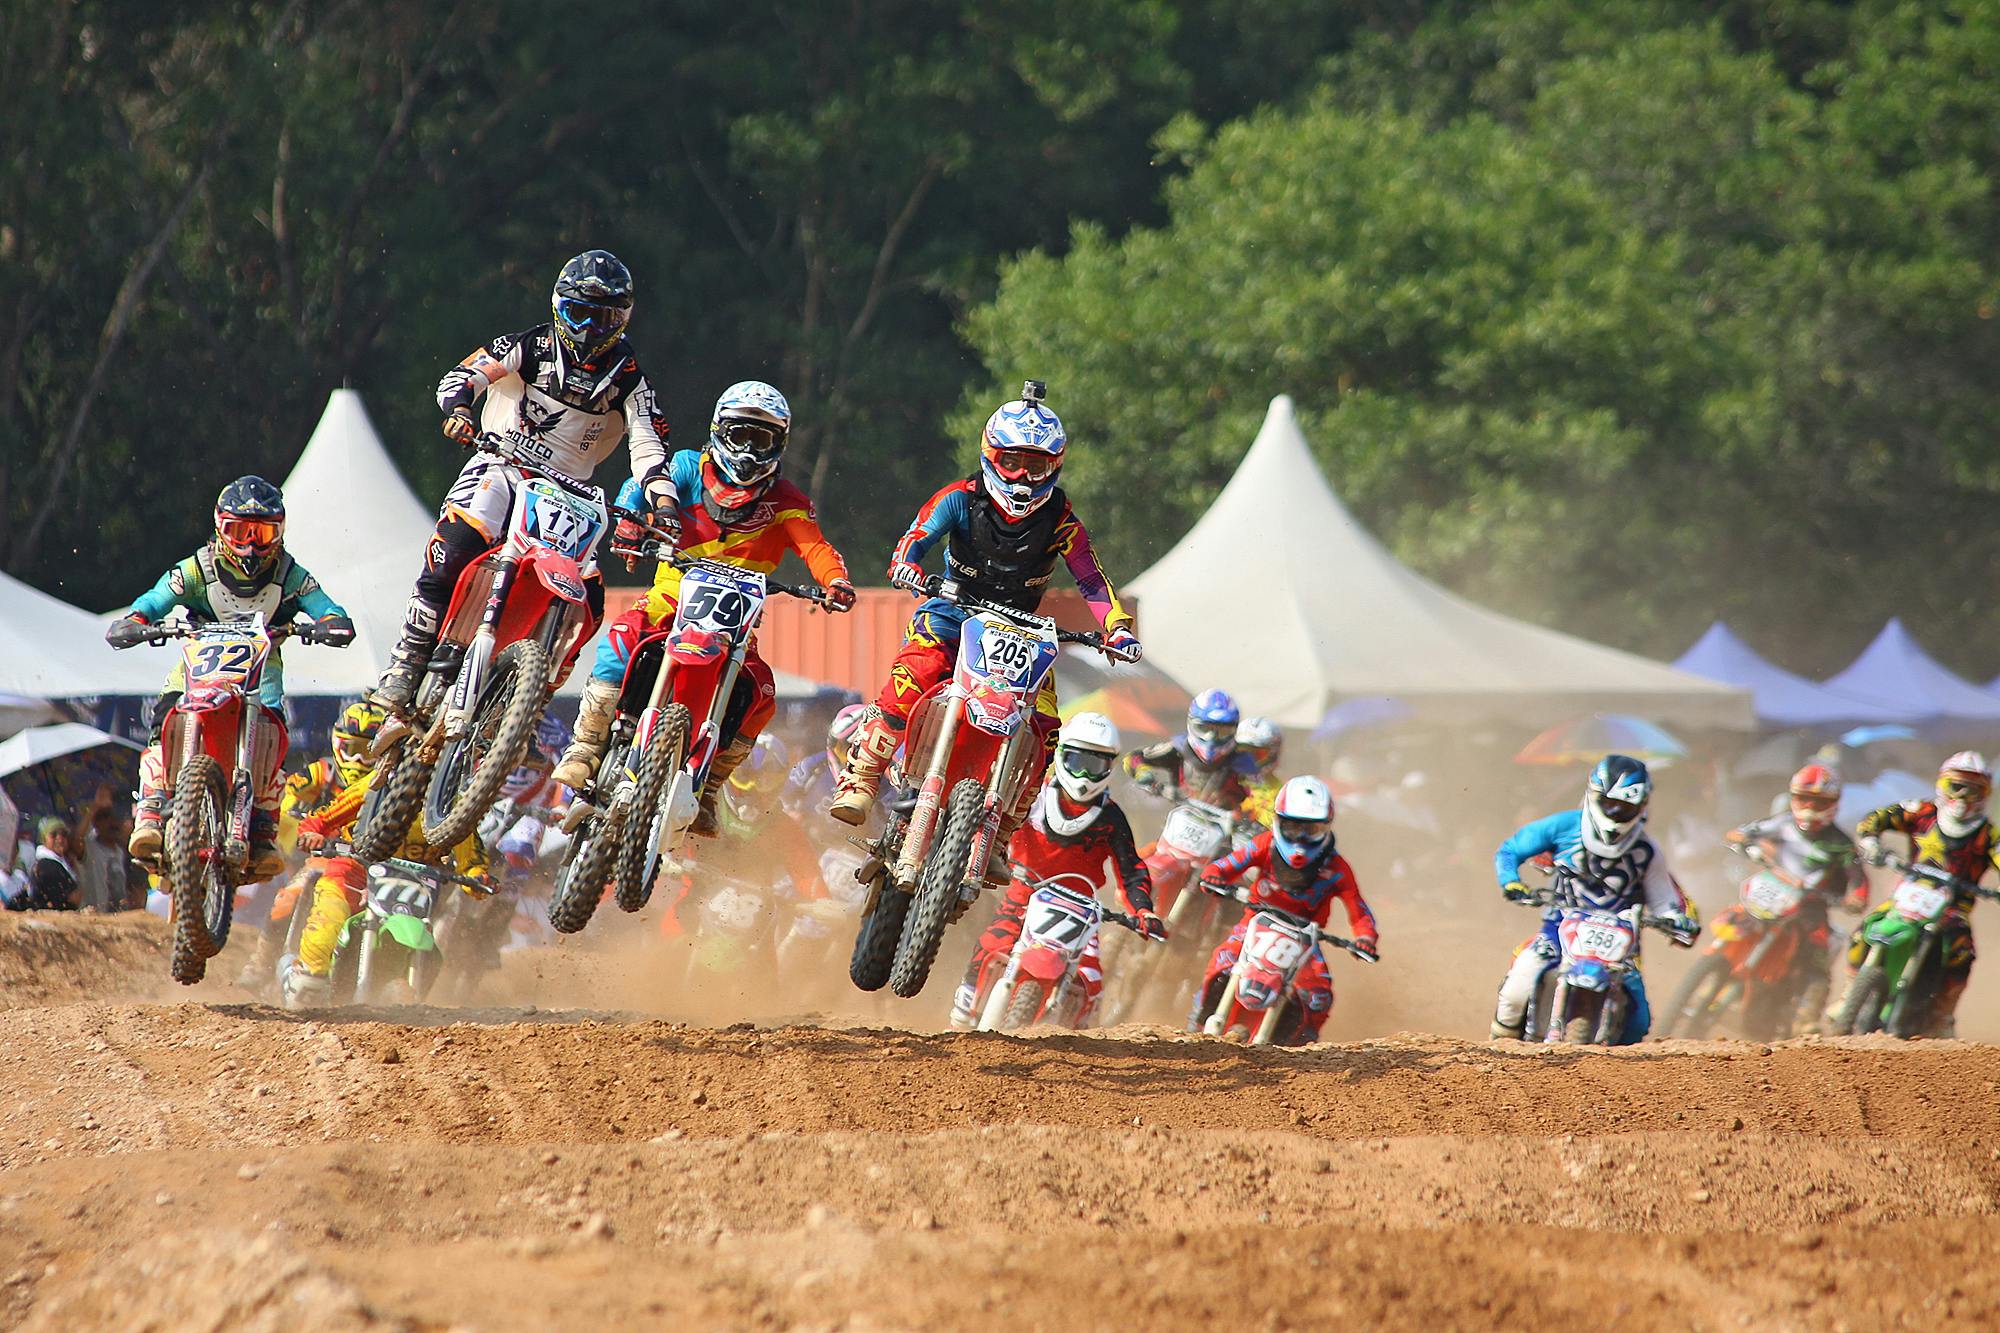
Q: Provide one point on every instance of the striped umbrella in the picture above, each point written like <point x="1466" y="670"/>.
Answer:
<point x="1585" y="740"/>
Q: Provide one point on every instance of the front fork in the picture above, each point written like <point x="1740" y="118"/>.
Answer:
<point x="930" y="796"/>
<point x="479" y="653"/>
<point x="243" y="783"/>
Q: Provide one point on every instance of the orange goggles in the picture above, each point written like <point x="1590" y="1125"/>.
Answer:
<point x="253" y="533"/>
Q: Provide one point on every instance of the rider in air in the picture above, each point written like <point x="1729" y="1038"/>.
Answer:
<point x="1074" y="828"/>
<point x="811" y="783"/>
<point x="1204" y="763"/>
<point x="728" y="503"/>
<point x="1298" y="871"/>
<point x="244" y="570"/>
<point x="563" y="395"/>
<point x="1003" y="529"/>
<point x="1605" y="861"/>
<point x="1805" y="844"/>
<point x="1951" y="832"/>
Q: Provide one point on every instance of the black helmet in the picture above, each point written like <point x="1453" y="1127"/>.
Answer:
<point x="249" y="529"/>
<point x="592" y="302"/>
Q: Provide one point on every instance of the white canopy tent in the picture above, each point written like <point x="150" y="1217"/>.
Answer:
<point x="52" y="650"/>
<point x="1279" y="595"/>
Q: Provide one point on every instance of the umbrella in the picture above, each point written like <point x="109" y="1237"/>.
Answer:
<point x="38" y="745"/>
<point x="1588" y="739"/>
<point x="1861" y="736"/>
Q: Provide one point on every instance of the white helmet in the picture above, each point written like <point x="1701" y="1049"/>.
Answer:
<point x="1086" y="748"/>
<point x="1964" y="782"/>
<point x="1302" y="821"/>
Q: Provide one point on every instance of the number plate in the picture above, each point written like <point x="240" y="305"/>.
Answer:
<point x="723" y="602"/>
<point x="1768" y="896"/>
<point x="1275" y="945"/>
<point x="1194" y="836"/>
<point x="1604" y="940"/>
<point x="1009" y="654"/>
<point x="1058" y="922"/>
<point x="556" y="520"/>
<point x="224" y="656"/>
<point x="1921" y="901"/>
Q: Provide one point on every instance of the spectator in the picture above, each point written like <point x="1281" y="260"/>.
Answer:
<point x="52" y="879"/>
<point x="102" y="873"/>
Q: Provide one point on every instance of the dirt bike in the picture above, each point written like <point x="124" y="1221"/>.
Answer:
<point x="731" y="926"/>
<point x="966" y="777"/>
<point x="219" y="753"/>
<point x="808" y="941"/>
<point x="516" y="616"/>
<point x="1037" y="980"/>
<point x="1896" y="987"/>
<point x="388" y="952"/>
<point x="1261" y="987"/>
<point x="1582" y="999"/>
<point x="1750" y="960"/>
<point x="674" y="711"/>
<point x="1194" y="835"/>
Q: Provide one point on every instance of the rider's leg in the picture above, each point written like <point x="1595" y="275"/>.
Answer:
<point x="472" y="520"/>
<point x="1313" y="1003"/>
<point x="600" y="697"/>
<point x="1046" y="723"/>
<point x="1090" y="980"/>
<point x="930" y="645"/>
<point x="149" y="815"/>
<point x="1209" y="993"/>
<point x="1958" y="956"/>
<point x="1517" y="989"/>
<point x="755" y="702"/>
<point x="265" y="858"/>
<point x="997" y="939"/>
<point x="1638" y="1011"/>
<point x="336" y="897"/>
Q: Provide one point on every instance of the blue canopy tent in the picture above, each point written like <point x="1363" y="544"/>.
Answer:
<point x="1779" y="697"/>
<point x="1896" y="668"/>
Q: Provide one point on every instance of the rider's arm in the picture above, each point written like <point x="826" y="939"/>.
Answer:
<point x="303" y="590"/>
<point x="1663" y="891"/>
<point x="158" y="601"/>
<point x="1157" y="761"/>
<point x="1081" y="557"/>
<point x="469" y="858"/>
<point x="1360" y="920"/>
<point x="942" y="514"/>
<point x="1135" y="881"/>
<point x="645" y="428"/>
<point x="467" y="381"/>
<point x="801" y="528"/>
<point x="1529" y="841"/>
<point x="1889" y="819"/>
<point x="1255" y="853"/>
<point x="338" y="816"/>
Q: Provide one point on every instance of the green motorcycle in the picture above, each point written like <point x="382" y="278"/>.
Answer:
<point x="389" y="951"/>
<point x="1897" y="985"/>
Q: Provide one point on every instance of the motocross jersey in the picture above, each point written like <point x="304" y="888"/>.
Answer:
<point x="1825" y="861"/>
<point x="1968" y="857"/>
<point x="1009" y="563"/>
<point x="781" y="520"/>
<point x="1105" y="840"/>
<point x="562" y="414"/>
<point x="338" y="817"/>
<point x="1600" y="883"/>
<point x="1309" y="892"/>
<point x="195" y="584"/>
<point x="1171" y="766"/>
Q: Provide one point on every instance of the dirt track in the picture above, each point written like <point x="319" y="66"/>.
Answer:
<point x="201" y="1165"/>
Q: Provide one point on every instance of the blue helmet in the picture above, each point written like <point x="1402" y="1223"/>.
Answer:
<point x="1614" y="805"/>
<point x="1211" y="725"/>
<point x="1021" y="453"/>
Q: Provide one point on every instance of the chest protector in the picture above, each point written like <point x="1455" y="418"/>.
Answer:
<point x="1620" y="881"/>
<point x="227" y="602"/>
<point x="1303" y="883"/>
<point x="1007" y="563"/>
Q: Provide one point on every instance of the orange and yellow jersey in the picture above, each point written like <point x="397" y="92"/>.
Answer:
<point x="782" y="520"/>
<point x="337" y="818"/>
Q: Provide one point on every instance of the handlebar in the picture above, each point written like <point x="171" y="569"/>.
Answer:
<point x="499" y="446"/>
<point x="420" y="870"/>
<point x="1240" y="893"/>
<point x="1937" y="875"/>
<point x="948" y="590"/>
<point x="1754" y="853"/>
<point x="306" y="631"/>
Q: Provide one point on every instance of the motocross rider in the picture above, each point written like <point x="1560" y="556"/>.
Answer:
<point x="1603" y="843"/>
<point x="244" y="570"/>
<point x="752" y="829"/>
<point x="338" y="892"/>
<point x="1204" y="763"/>
<point x="563" y="394"/>
<point x="1298" y="871"/>
<point x="810" y="785"/>
<point x="1954" y="833"/>
<point x="1074" y="828"/>
<point x="728" y="503"/>
<point x="1003" y="529"/>
<point x="1806" y="845"/>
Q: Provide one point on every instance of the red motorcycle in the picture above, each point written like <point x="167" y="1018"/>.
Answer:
<point x="1037" y="980"/>
<point x="516" y="616"/>
<point x="1751" y="961"/>
<point x="220" y="747"/>
<point x="1276" y="947"/>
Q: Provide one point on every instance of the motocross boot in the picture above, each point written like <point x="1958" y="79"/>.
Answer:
<point x="961" y="1007"/>
<point x="149" y="814"/>
<point x="265" y="858"/>
<point x="707" y="821"/>
<point x="303" y="990"/>
<point x="593" y="725"/>
<point x="409" y="658"/>
<point x="1501" y="1032"/>
<point x="873" y="746"/>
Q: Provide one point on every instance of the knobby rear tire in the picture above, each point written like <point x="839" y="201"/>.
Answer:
<point x="1861" y="1008"/>
<point x="579" y="884"/>
<point x="396" y="793"/>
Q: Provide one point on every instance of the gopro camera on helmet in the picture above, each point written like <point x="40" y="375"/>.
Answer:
<point x="1033" y="391"/>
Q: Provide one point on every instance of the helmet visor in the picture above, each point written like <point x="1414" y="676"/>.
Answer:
<point x="1815" y="800"/>
<point x="1620" y="813"/>
<point x="1024" y="465"/>
<point x="250" y="534"/>
<point x="590" y="322"/>
<point x="1088" y="765"/>
<point x="757" y="441"/>
<point x="1304" y="832"/>
<point x="1211" y="736"/>
<point x="1969" y="790"/>
<point x="350" y="747"/>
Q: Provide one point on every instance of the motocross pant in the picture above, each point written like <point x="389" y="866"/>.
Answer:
<point x="1538" y="955"/>
<point x="752" y="704"/>
<point x="928" y="654"/>
<point x="336" y="897"/>
<point x="1312" y="991"/>
<point x="999" y="938"/>
<point x="1958" y="956"/>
